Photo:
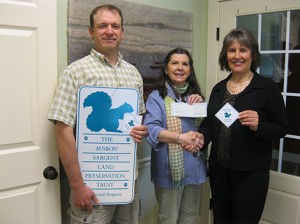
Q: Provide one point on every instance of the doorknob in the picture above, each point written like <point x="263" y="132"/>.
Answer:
<point x="50" y="173"/>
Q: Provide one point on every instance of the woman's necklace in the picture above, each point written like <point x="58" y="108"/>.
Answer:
<point x="236" y="88"/>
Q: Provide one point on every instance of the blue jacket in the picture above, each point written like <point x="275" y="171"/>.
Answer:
<point x="248" y="150"/>
<point x="155" y="120"/>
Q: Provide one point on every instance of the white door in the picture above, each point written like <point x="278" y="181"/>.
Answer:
<point x="276" y="25"/>
<point x="28" y="73"/>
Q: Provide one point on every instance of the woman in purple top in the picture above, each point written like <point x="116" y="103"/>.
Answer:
<point x="175" y="172"/>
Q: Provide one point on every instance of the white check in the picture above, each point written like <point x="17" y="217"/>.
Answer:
<point x="187" y="110"/>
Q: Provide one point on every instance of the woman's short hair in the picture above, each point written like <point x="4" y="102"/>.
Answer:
<point x="244" y="37"/>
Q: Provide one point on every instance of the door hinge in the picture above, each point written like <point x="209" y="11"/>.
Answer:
<point x="218" y="34"/>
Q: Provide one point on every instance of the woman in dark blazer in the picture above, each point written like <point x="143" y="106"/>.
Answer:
<point x="240" y="157"/>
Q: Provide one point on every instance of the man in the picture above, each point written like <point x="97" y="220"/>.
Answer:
<point x="103" y="67"/>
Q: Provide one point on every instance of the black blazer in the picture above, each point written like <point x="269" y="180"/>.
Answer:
<point x="248" y="150"/>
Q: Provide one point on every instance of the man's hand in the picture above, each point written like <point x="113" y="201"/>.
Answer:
<point x="83" y="198"/>
<point x="138" y="132"/>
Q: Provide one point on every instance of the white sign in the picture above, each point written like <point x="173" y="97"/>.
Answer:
<point x="187" y="110"/>
<point x="107" y="155"/>
<point x="131" y="120"/>
<point x="227" y="115"/>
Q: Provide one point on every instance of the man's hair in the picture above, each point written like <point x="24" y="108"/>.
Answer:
<point x="107" y="7"/>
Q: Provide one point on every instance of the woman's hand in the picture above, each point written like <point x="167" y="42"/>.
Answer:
<point x="194" y="98"/>
<point x="249" y="118"/>
<point x="191" y="141"/>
